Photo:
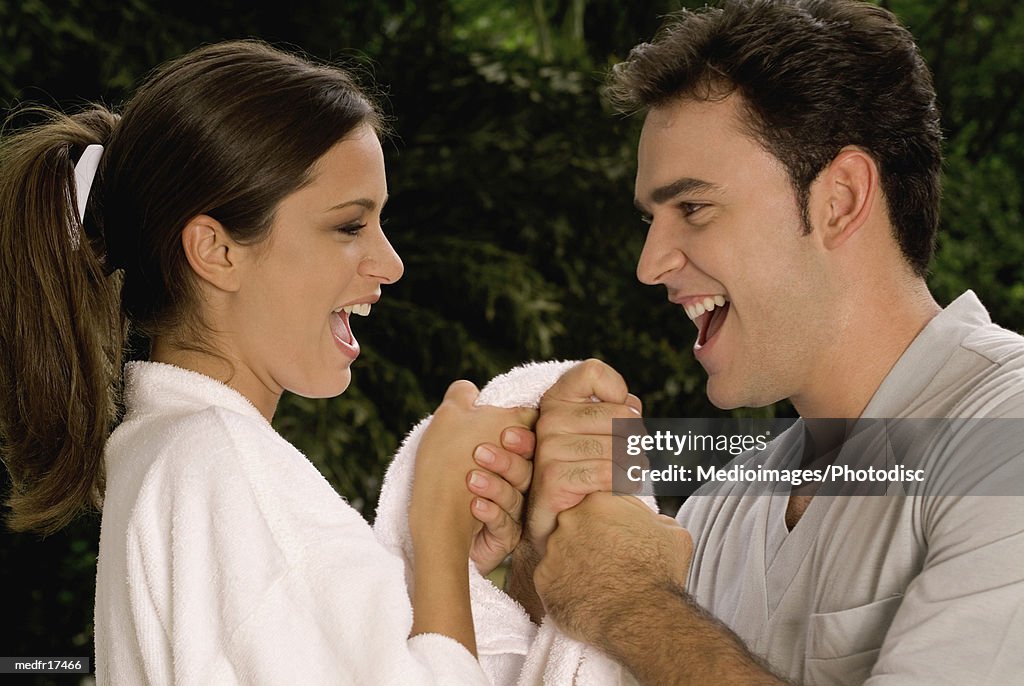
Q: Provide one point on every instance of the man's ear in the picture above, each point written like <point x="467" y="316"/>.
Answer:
<point x="844" y="194"/>
<point x="211" y="252"/>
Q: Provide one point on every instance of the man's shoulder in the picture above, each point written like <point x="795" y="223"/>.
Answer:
<point x="998" y="345"/>
<point x="995" y="386"/>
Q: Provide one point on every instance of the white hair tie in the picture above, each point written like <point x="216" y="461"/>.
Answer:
<point x="85" y="172"/>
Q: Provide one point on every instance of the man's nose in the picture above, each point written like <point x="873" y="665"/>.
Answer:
<point x="662" y="255"/>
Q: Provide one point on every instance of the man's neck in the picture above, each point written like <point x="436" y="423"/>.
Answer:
<point x="878" y="333"/>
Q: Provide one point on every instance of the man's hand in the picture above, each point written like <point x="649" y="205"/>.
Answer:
<point x="614" y="576"/>
<point x="608" y="556"/>
<point x="574" y="443"/>
<point x="500" y="483"/>
<point x="573" y="457"/>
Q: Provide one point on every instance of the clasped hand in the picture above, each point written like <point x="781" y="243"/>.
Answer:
<point x="473" y="468"/>
<point x="507" y="480"/>
<point x="573" y="441"/>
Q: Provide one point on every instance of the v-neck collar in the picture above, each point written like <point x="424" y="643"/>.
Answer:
<point x="916" y="368"/>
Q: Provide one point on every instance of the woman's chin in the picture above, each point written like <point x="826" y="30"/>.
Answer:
<point x="322" y="387"/>
<point x="341" y="383"/>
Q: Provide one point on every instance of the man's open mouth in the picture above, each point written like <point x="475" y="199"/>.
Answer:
<point x="708" y="314"/>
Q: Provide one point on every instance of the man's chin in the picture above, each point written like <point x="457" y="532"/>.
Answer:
<point x="722" y="402"/>
<point x="728" y="397"/>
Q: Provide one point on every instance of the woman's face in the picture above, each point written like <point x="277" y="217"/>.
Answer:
<point x="292" y="319"/>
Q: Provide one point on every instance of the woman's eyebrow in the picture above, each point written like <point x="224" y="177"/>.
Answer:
<point x="362" y="202"/>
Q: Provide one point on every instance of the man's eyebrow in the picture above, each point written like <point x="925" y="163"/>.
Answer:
<point x="686" y="184"/>
<point x="361" y="202"/>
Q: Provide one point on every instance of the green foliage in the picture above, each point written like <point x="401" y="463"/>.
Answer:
<point x="511" y="205"/>
<point x="974" y="51"/>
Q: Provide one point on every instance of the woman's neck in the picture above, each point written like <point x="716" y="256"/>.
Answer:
<point x="218" y="367"/>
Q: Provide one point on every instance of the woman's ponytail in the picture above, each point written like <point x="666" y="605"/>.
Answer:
<point x="61" y="329"/>
<point x="228" y="130"/>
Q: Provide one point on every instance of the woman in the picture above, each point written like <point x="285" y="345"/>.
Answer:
<point x="234" y="222"/>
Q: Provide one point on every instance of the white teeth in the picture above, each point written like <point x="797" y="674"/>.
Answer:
<point x="362" y="309"/>
<point x="700" y="307"/>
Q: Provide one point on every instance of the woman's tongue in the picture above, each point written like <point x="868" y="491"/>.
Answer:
<point x="711" y="323"/>
<point x="340" y="327"/>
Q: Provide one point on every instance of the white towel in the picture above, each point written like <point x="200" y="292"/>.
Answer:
<point x="512" y="650"/>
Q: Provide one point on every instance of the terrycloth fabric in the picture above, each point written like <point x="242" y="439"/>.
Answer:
<point x="511" y="648"/>
<point x="226" y="558"/>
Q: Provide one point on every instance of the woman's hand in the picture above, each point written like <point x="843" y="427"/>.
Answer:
<point x="500" y="483"/>
<point x="441" y="510"/>
<point x="440" y="516"/>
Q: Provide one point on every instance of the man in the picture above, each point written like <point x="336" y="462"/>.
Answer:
<point x="789" y="169"/>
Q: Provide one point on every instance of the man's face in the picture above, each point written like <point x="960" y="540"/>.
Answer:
<point x="726" y="232"/>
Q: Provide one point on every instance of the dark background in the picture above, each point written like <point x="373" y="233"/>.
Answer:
<point x="511" y="205"/>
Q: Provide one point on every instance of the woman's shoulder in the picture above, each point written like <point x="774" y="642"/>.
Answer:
<point x="230" y="469"/>
<point x="177" y="439"/>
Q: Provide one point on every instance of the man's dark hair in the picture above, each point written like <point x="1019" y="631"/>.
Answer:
<point x="815" y="76"/>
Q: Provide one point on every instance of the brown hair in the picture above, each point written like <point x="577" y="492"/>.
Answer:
<point x="814" y="76"/>
<point x="227" y="130"/>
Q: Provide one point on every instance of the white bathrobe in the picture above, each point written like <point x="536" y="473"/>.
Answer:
<point x="226" y="558"/>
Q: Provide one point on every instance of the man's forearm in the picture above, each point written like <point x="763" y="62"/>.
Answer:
<point x="520" y="580"/>
<point x="666" y="639"/>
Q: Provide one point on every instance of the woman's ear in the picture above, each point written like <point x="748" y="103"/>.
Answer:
<point x="212" y="253"/>
<point x="844" y="194"/>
